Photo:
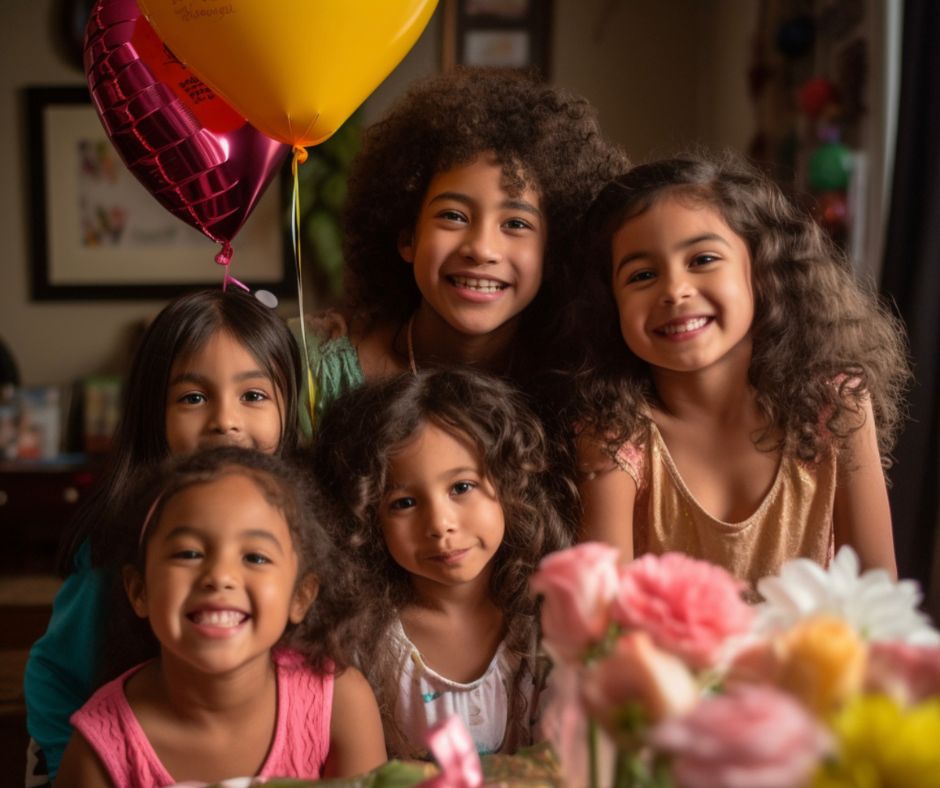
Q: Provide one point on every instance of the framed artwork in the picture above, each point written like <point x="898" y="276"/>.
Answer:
<point x="98" y="233"/>
<point x="512" y="33"/>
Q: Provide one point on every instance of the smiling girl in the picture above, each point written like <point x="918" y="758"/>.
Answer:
<point x="463" y="210"/>
<point x="230" y="558"/>
<point x="744" y="388"/>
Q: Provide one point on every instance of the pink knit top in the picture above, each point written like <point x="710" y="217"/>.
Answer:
<point x="299" y="747"/>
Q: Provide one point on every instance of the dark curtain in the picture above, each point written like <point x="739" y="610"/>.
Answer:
<point x="911" y="277"/>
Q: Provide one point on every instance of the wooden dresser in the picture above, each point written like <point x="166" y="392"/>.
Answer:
<point x="37" y="500"/>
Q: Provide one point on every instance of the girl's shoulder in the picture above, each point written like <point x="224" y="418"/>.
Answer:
<point x="600" y="452"/>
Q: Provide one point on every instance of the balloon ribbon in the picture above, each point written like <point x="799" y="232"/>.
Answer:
<point x="299" y="157"/>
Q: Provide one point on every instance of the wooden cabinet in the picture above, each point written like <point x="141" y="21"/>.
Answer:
<point x="37" y="502"/>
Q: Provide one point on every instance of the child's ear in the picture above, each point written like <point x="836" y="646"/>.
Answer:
<point x="136" y="590"/>
<point x="406" y="245"/>
<point x="304" y="595"/>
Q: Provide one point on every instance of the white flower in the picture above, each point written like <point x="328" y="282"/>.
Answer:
<point x="871" y="602"/>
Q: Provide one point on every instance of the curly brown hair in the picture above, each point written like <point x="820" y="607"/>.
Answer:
<point x="357" y="438"/>
<point x="542" y="137"/>
<point x="323" y="635"/>
<point x="822" y="340"/>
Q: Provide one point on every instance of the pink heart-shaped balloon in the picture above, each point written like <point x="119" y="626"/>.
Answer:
<point x="202" y="161"/>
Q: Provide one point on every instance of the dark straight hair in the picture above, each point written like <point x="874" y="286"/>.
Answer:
<point x="180" y="329"/>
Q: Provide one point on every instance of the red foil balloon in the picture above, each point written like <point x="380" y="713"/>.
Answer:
<point x="202" y="161"/>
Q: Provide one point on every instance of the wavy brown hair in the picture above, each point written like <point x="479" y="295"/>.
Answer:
<point x="354" y="444"/>
<point x="323" y="635"/>
<point x="822" y="340"/>
<point x="541" y="136"/>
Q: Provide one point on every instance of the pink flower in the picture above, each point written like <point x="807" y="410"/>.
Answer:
<point x="907" y="673"/>
<point x="578" y="585"/>
<point x="753" y="737"/>
<point x="639" y="673"/>
<point x="689" y="607"/>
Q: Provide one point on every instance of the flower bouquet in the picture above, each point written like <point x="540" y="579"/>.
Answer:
<point x="664" y="676"/>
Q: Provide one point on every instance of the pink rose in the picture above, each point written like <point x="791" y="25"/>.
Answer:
<point x="906" y="672"/>
<point x="578" y="585"/>
<point x="689" y="607"/>
<point x="639" y="673"/>
<point x="753" y="737"/>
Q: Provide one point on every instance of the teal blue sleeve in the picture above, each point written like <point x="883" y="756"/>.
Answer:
<point x="63" y="663"/>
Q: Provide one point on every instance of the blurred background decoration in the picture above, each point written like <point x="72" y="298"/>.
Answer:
<point x="322" y="194"/>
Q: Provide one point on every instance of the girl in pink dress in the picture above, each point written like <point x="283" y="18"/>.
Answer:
<point x="248" y="681"/>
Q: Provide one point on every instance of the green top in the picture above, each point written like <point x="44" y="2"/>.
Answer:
<point x="334" y="365"/>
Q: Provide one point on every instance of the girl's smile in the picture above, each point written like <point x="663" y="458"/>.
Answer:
<point x="220" y="576"/>
<point x="476" y="250"/>
<point x="683" y="329"/>
<point x="212" y="622"/>
<point x="476" y="288"/>
<point x="682" y="282"/>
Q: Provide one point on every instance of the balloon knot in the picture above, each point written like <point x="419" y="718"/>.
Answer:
<point x="300" y="154"/>
<point x="225" y="256"/>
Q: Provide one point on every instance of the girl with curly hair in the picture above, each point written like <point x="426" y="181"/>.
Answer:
<point x="743" y="387"/>
<point x="463" y="208"/>
<point x="244" y="672"/>
<point x="445" y="480"/>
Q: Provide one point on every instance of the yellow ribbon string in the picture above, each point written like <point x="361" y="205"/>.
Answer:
<point x="300" y="156"/>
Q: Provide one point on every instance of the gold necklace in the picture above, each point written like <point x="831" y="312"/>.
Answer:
<point x="409" y="339"/>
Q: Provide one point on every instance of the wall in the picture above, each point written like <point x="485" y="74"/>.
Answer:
<point x="662" y="74"/>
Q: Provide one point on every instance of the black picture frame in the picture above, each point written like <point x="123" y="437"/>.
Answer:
<point x="57" y="117"/>
<point x="513" y="33"/>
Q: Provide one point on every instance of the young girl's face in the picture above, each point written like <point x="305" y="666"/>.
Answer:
<point x="440" y="515"/>
<point x="682" y="282"/>
<point x="220" y="577"/>
<point x="221" y="396"/>
<point x="477" y="252"/>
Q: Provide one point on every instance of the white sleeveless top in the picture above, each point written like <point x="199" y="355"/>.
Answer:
<point x="425" y="697"/>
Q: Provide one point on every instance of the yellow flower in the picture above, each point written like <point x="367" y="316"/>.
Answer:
<point x="822" y="662"/>
<point x="882" y="745"/>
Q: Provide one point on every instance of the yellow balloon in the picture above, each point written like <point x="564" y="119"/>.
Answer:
<point x="296" y="69"/>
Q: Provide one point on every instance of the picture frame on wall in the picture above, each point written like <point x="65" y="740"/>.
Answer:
<point x="97" y="233"/>
<point x="509" y="33"/>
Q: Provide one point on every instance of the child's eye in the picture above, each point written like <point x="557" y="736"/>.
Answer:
<point x="257" y="559"/>
<point x="255" y="396"/>
<point x="452" y="216"/>
<point x="187" y="555"/>
<point x="462" y="488"/>
<point x="640" y="276"/>
<point x="518" y="224"/>
<point x="704" y="259"/>
<point x="193" y="398"/>
<point x="402" y="503"/>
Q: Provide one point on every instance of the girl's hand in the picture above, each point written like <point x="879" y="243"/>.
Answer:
<point x="861" y="515"/>
<point x="357" y="743"/>
<point x="80" y="766"/>
<point x="607" y="497"/>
